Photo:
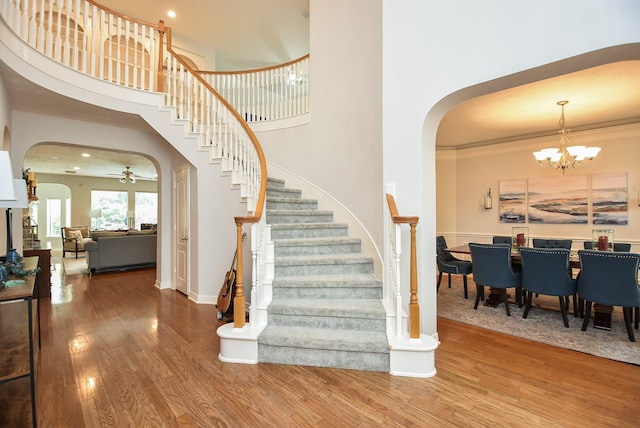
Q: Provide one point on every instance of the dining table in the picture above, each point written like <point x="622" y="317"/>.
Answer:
<point x="601" y="313"/>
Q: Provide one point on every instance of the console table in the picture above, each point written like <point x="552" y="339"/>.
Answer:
<point x="15" y="364"/>
<point x="43" y="279"/>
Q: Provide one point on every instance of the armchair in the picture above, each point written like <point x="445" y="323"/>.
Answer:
<point x="617" y="246"/>
<point x="73" y="239"/>
<point x="451" y="265"/>
<point x="609" y="278"/>
<point x="492" y="268"/>
<point x="546" y="271"/>
<point x="552" y="243"/>
<point x="502" y="240"/>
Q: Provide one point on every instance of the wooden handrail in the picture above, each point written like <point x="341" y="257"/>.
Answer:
<point x="257" y="70"/>
<point x="414" y="306"/>
<point x="239" y="301"/>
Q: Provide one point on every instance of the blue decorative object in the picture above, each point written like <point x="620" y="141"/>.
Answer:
<point x="3" y="274"/>
<point x="13" y="256"/>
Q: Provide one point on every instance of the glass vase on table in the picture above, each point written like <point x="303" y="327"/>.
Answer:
<point x="602" y="239"/>
<point x="519" y="237"/>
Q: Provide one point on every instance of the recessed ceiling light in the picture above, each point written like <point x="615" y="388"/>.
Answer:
<point x="77" y="168"/>
<point x="171" y="14"/>
<point x="86" y="155"/>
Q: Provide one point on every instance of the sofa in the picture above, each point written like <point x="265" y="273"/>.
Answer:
<point x="107" y="251"/>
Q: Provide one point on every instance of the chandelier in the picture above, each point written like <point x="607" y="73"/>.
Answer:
<point x="565" y="157"/>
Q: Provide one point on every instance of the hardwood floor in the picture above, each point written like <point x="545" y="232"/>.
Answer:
<point x="117" y="352"/>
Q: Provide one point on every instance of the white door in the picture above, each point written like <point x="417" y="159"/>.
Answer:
<point x="181" y="178"/>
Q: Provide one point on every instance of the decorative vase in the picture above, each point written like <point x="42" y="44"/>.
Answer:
<point x="13" y="256"/>
<point x="3" y="276"/>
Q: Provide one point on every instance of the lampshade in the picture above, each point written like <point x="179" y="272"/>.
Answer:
<point x="7" y="191"/>
<point x="97" y="213"/>
<point x="20" y="191"/>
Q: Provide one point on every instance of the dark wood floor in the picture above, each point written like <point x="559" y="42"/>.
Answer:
<point x="117" y="352"/>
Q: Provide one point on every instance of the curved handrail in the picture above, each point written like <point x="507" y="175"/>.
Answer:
<point x="414" y="306"/>
<point x="267" y="93"/>
<point x="239" y="313"/>
<point x="257" y="70"/>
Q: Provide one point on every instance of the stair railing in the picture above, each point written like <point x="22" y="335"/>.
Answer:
<point x="392" y="260"/>
<point x="222" y="130"/>
<point x="101" y="43"/>
<point x="264" y="94"/>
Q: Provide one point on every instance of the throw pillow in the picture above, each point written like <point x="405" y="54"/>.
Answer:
<point x="74" y="235"/>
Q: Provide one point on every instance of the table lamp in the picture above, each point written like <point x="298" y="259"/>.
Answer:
<point x="13" y="194"/>
<point x="20" y="188"/>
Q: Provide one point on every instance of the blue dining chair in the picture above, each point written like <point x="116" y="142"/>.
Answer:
<point x="617" y="246"/>
<point x="492" y="268"/>
<point x="546" y="271"/>
<point x="502" y="240"/>
<point x="609" y="278"/>
<point x="451" y="265"/>
<point x="552" y="243"/>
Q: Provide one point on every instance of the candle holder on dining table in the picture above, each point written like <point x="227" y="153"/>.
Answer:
<point x="519" y="237"/>
<point x="602" y="239"/>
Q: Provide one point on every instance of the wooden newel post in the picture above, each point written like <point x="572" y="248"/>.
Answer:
<point x="160" y="75"/>
<point x="239" y="313"/>
<point x="414" y="306"/>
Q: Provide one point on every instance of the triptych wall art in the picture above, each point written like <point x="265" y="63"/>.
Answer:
<point x="566" y="199"/>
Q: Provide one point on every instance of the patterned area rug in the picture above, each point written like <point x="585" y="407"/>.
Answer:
<point x="74" y="266"/>
<point x="544" y="323"/>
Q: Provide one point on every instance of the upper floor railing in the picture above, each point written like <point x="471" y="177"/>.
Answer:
<point x="265" y="94"/>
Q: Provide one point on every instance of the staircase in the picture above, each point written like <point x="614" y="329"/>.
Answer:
<point x="326" y="309"/>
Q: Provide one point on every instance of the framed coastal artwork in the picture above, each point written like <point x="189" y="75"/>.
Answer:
<point x="512" y="201"/>
<point x="558" y="199"/>
<point x="610" y="198"/>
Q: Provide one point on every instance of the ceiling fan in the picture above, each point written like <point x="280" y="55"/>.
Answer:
<point x="129" y="176"/>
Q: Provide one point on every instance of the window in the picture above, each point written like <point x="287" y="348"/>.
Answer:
<point x="146" y="209"/>
<point x="53" y="217"/>
<point x="114" y="208"/>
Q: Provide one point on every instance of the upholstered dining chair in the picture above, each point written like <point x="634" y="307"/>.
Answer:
<point x="546" y="271"/>
<point x="492" y="268"/>
<point x="502" y="240"/>
<point x="552" y="243"/>
<point x="609" y="278"/>
<point x="617" y="246"/>
<point x="451" y="265"/>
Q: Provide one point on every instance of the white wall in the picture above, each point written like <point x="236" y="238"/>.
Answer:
<point x="340" y="150"/>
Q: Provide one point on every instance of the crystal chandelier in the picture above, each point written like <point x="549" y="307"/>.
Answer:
<point x="565" y="157"/>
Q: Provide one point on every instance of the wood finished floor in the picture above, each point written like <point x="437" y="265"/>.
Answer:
<point x="117" y="352"/>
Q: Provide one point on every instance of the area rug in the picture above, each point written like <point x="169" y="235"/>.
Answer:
<point x="543" y="324"/>
<point x="75" y="266"/>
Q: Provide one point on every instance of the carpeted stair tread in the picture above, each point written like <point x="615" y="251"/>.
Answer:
<point x="319" y="338"/>
<point x="330" y="240"/>
<point x="345" y="308"/>
<point x="323" y="259"/>
<point x="310" y="281"/>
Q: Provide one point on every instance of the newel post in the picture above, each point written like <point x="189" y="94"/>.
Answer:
<point x="160" y="80"/>
<point x="239" y="312"/>
<point x="414" y="306"/>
